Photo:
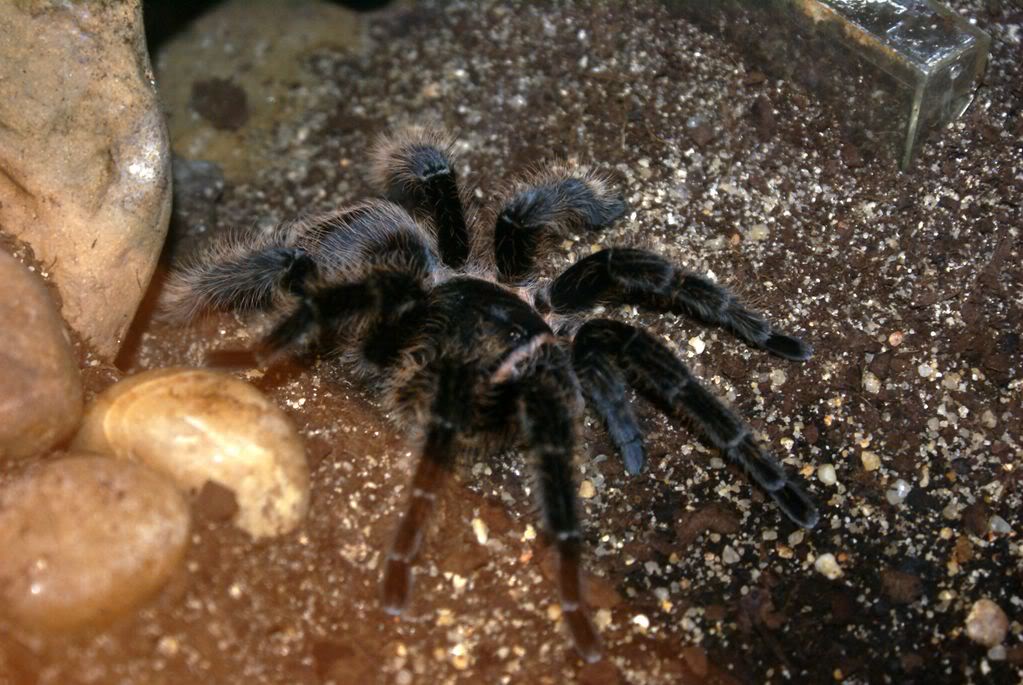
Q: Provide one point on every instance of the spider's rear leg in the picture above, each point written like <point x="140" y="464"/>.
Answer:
<point x="631" y="276"/>
<point x="549" y="204"/>
<point x="450" y="416"/>
<point x="658" y="374"/>
<point x="548" y="427"/>
<point x="414" y="168"/>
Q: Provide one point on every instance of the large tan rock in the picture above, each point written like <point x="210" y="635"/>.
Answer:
<point x="85" y="539"/>
<point x="40" y="387"/>
<point x="84" y="157"/>
<point x="196" y="426"/>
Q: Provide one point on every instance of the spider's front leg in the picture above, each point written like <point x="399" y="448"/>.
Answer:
<point x="550" y="203"/>
<point x="363" y="267"/>
<point x="664" y="379"/>
<point x="548" y="425"/>
<point x="631" y="276"/>
<point x="415" y="169"/>
<point x="239" y="276"/>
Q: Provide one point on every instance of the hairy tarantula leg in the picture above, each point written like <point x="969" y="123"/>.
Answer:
<point x="662" y="377"/>
<point x="436" y="460"/>
<point x="327" y="307"/>
<point x="631" y="276"/>
<point x="554" y="201"/>
<point x="548" y="429"/>
<point x="236" y="276"/>
<point x="415" y="170"/>
<point x="604" y="388"/>
<point x="450" y="416"/>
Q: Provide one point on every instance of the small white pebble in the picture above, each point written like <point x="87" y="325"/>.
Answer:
<point x="898" y="492"/>
<point x="759" y="232"/>
<point x="480" y="529"/>
<point x="642" y="621"/>
<point x="697" y="344"/>
<point x="871" y="383"/>
<point x="168" y="646"/>
<point x="826" y="474"/>
<point x="778" y="378"/>
<point x="827" y="565"/>
<point x="999" y="525"/>
<point x="729" y="555"/>
<point x="924" y="370"/>
<point x="987" y="624"/>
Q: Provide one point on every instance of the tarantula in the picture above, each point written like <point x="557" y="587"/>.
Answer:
<point x="445" y="315"/>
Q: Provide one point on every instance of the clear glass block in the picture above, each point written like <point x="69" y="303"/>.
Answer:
<point x="895" y="69"/>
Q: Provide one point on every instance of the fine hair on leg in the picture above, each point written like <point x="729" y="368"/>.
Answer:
<point x="547" y="204"/>
<point x="633" y="276"/>
<point x="241" y="272"/>
<point x="450" y="417"/>
<point x="549" y="433"/>
<point x="604" y="388"/>
<point x="657" y="373"/>
<point x="414" y="168"/>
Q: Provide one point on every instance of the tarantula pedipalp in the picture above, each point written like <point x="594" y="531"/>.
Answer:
<point x="447" y="318"/>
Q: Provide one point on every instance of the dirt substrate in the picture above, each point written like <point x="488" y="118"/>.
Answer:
<point x="907" y="285"/>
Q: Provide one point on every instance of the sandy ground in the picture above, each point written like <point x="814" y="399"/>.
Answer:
<point x="905" y="426"/>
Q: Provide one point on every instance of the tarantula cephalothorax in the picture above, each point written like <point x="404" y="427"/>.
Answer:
<point x="445" y="315"/>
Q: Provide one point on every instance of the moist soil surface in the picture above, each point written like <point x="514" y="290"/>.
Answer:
<point x="904" y="427"/>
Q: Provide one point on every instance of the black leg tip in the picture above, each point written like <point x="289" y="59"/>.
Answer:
<point x="397" y="587"/>
<point x="787" y="347"/>
<point x="584" y="637"/>
<point x="796" y="505"/>
<point x="761" y="466"/>
<point x="634" y="457"/>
